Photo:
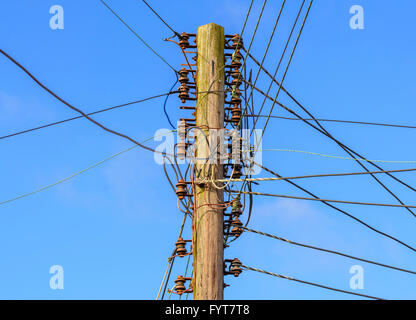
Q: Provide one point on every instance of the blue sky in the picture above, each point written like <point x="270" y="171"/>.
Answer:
<point x="113" y="227"/>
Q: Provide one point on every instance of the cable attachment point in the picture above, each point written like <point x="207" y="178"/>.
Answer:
<point x="181" y="247"/>
<point x="236" y="171"/>
<point x="180" y="285"/>
<point x="236" y="207"/>
<point x="183" y="92"/>
<point x="181" y="190"/>
<point x="183" y="75"/>
<point x="235" y="115"/>
<point x="237" y="81"/>
<point x="181" y="150"/>
<point x="237" y="229"/>
<point x="237" y="42"/>
<point x="234" y="267"/>
<point x="184" y="41"/>
<point x="236" y="62"/>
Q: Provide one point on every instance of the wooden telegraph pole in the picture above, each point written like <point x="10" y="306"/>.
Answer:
<point x="208" y="250"/>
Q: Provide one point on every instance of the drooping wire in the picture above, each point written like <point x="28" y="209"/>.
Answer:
<point x="286" y="69"/>
<point x="172" y="260"/>
<point x="326" y="175"/>
<point x="74" y="108"/>
<point x="161" y="19"/>
<point x="137" y="36"/>
<point x="280" y="60"/>
<point x="89" y="114"/>
<point x="309" y="283"/>
<point x="267" y="48"/>
<point x="327" y="250"/>
<point x="323" y="131"/>
<point x="73" y="175"/>
<point x="249" y="48"/>
<point x="338" y="209"/>
<point x="350" y="152"/>
<point x="244" y="63"/>
<point x="339" y="121"/>
<point x="287" y="66"/>
<point x="166" y="100"/>
<point x="78" y="110"/>
<point x="326" y="200"/>
<point x="341" y="157"/>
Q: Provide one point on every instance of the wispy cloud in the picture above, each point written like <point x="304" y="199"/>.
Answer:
<point x="9" y="105"/>
<point x="288" y="209"/>
<point x="25" y="108"/>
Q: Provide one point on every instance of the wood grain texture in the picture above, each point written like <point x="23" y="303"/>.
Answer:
<point x="208" y="276"/>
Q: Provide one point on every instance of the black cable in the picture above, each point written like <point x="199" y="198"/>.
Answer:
<point x="310" y="283"/>
<point x="80" y="111"/>
<point x="137" y="36"/>
<point x="328" y="200"/>
<point x="170" y="271"/>
<point x="74" y="108"/>
<point x="288" y="64"/>
<point x="327" y="250"/>
<point x="267" y="47"/>
<point x="89" y="114"/>
<point x="325" y="175"/>
<point x="280" y="60"/>
<point x="350" y="152"/>
<point x="340" y="121"/>
<point x="339" y="210"/>
<point x="316" y="128"/>
<point x="166" y="100"/>
<point x="161" y="19"/>
<point x="250" y="208"/>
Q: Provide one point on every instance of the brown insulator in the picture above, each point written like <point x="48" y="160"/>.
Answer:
<point x="237" y="230"/>
<point x="236" y="115"/>
<point x="236" y="96"/>
<point x="183" y="92"/>
<point x="236" y="172"/>
<point x="180" y="284"/>
<point x="237" y="41"/>
<point x="237" y="54"/>
<point x="183" y="76"/>
<point x="181" y="189"/>
<point x="180" y="247"/>
<point x="236" y="63"/>
<point x="184" y="40"/>
<point x="235" y="74"/>
<point x="236" y="207"/>
<point x="236" y="82"/>
<point x="234" y="55"/>
<point x="235" y="267"/>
